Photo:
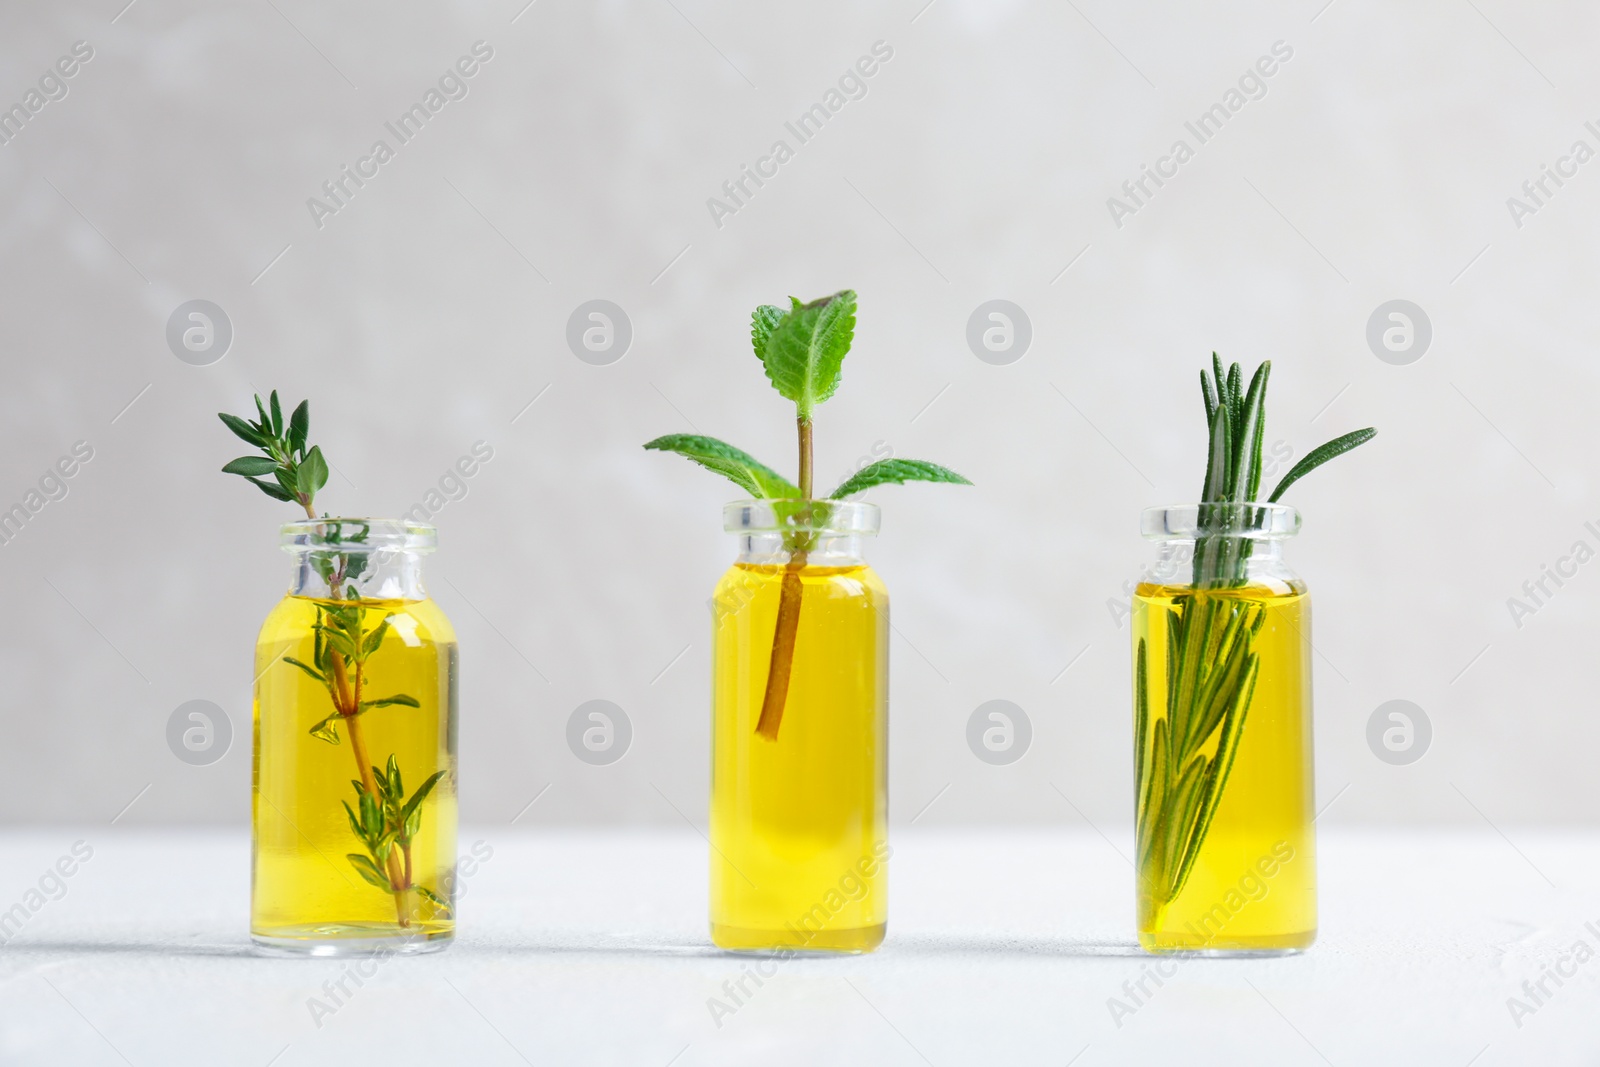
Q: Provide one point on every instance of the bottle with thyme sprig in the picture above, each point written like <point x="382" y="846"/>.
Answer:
<point x="1222" y="701"/>
<point x="800" y="658"/>
<point x="354" y="801"/>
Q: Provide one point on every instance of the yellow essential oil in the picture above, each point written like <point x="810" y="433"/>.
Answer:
<point x="306" y="888"/>
<point x="799" y="824"/>
<point x="1252" y="883"/>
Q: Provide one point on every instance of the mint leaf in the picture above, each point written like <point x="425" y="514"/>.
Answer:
<point x="898" y="471"/>
<point x="806" y="348"/>
<point x="738" y="467"/>
<point x="762" y="321"/>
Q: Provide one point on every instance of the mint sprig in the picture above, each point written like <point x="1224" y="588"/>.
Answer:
<point x="802" y="351"/>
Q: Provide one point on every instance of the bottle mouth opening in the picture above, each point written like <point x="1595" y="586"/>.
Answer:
<point x="352" y="535"/>
<point x="1190" y="522"/>
<point x="830" y="517"/>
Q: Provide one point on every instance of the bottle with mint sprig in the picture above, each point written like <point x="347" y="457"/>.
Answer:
<point x="1226" y="851"/>
<point x="800" y="671"/>
<point x="354" y="799"/>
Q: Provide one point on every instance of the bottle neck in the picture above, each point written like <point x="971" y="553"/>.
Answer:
<point x="821" y="548"/>
<point x="1223" y="561"/>
<point x="366" y="574"/>
<point x="357" y="558"/>
<point x="828" y="532"/>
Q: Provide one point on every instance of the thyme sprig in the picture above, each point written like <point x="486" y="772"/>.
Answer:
<point x="296" y="471"/>
<point x="386" y="826"/>
<point x="802" y="351"/>
<point x="384" y="820"/>
<point x="340" y="646"/>
<point x="1211" y="664"/>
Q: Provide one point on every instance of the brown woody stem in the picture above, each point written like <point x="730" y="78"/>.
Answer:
<point x="790" y="594"/>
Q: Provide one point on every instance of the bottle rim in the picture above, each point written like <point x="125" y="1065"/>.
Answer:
<point x="1188" y="522"/>
<point x="357" y="534"/>
<point x="829" y="517"/>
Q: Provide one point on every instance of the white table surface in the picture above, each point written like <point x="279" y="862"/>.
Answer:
<point x="1004" y="947"/>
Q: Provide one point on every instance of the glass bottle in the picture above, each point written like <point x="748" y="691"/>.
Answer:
<point x="1222" y="735"/>
<point x="799" y="813"/>
<point x="354" y="768"/>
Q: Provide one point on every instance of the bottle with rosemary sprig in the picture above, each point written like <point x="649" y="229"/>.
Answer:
<point x="354" y="803"/>
<point x="1222" y="701"/>
<point x="800" y="672"/>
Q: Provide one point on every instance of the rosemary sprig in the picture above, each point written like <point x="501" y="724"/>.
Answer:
<point x="802" y="350"/>
<point x="1211" y="666"/>
<point x="384" y="819"/>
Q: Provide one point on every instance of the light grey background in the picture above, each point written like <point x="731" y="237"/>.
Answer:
<point x="431" y="311"/>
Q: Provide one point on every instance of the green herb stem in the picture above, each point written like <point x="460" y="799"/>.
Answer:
<point x="1211" y="664"/>
<point x="804" y="425"/>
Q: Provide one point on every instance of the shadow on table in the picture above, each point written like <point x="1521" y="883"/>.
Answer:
<point x="907" y="945"/>
<point x="609" y="947"/>
<point x="932" y="945"/>
<point x="129" y="947"/>
<point x="903" y="946"/>
<point x="124" y="947"/>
